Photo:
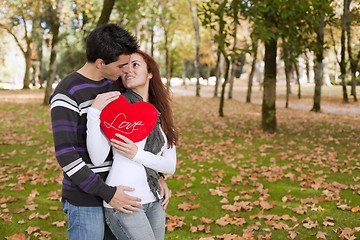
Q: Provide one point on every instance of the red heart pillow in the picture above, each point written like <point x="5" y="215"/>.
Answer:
<point x="134" y="121"/>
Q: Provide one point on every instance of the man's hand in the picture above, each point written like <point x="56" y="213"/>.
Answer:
<point x="104" y="99"/>
<point x="124" y="202"/>
<point x="165" y="192"/>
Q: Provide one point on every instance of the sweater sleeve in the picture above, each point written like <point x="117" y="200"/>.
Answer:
<point x="65" y="118"/>
<point x="164" y="163"/>
<point x="96" y="142"/>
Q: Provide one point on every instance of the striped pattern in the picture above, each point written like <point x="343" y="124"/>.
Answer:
<point x="69" y="104"/>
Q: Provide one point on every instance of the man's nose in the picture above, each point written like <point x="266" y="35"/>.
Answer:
<point x="126" y="68"/>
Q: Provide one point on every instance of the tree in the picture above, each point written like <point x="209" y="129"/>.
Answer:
<point x="342" y="63"/>
<point x="273" y="20"/>
<point x="215" y="14"/>
<point x="195" y="19"/>
<point x="18" y="23"/>
<point x="55" y="26"/>
<point x="254" y="50"/>
<point x="108" y="6"/>
<point x="353" y="61"/>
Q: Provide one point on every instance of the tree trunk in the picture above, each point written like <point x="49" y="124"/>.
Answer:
<point x="152" y="41"/>
<point x="196" y="26"/>
<point x="26" y="82"/>
<point x="167" y="61"/>
<point x="298" y="79"/>
<point x="343" y="62"/>
<point x="353" y="62"/>
<point x="288" y="75"/>
<point x="222" y="97"/>
<point x="319" y="66"/>
<point x="217" y="72"/>
<point x="108" y="6"/>
<point x="184" y="73"/>
<point x="54" y="46"/>
<point x="268" y="121"/>
<point x="253" y="67"/>
<point x="233" y="65"/>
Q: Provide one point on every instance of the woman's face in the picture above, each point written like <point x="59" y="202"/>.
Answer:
<point x="135" y="76"/>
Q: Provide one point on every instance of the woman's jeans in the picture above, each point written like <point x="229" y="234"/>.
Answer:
<point x="148" y="223"/>
<point x="86" y="223"/>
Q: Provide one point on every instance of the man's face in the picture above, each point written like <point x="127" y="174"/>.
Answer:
<point x="112" y="71"/>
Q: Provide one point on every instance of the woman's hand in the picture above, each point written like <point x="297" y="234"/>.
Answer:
<point x="165" y="192"/>
<point x="104" y="99"/>
<point x="125" y="146"/>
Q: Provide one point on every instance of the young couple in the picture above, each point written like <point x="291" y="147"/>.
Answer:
<point x="134" y="196"/>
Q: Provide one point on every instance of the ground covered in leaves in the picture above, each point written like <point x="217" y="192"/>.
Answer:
<point x="232" y="180"/>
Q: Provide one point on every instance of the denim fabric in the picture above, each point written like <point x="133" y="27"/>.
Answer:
<point x="85" y="223"/>
<point x="148" y="223"/>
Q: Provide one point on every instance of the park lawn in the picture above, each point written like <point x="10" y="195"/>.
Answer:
<point x="232" y="180"/>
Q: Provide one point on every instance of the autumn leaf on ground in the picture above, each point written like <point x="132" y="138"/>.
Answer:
<point x="259" y="215"/>
<point x="223" y="221"/>
<point x="281" y="225"/>
<point x="355" y="209"/>
<point x="31" y="207"/>
<point x="293" y="234"/>
<point x="187" y="206"/>
<point x="309" y="224"/>
<point x="59" y="224"/>
<point x="174" y="222"/>
<point x="321" y="235"/>
<point x="206" y="220"/>
<point x="54" y="208"/>
<point x="230" y="237"/>
<point x="18" y="236"/>
<point x="30" y="229"/>
<point x="6" y="217"/>
<point x="200" y="228"/>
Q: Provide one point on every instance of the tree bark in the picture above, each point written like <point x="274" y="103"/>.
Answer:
<point x="217" y="71"/>
<point x="233" y="65"/>
<point x="108" y="6"/>
<point x="298" y="79"/>
<point x="353" y="62"/>
<point x="268" y="121"/>
<point x="252" y="72"/>
<point x="222" y="97"/>
<point x="54" y="46"/>
<point x="196" y="25"/>
<point x="288" y="75"/>
<point x="319" y="66"/>
<point x="342" y="62"/>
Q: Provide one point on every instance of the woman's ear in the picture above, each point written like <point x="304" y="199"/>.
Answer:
<point x="150" y="75"/>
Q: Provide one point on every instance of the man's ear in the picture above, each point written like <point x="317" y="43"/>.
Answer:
<point x="99" y="63"/>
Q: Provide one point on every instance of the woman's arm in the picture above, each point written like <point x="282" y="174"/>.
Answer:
<point x="164" y="163"/>
<point x="97" y="144"/>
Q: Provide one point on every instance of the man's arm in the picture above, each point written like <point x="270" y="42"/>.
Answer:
<point x="65" y="114"/>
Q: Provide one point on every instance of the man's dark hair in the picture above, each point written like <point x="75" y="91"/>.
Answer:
<point x="108" y="42"/>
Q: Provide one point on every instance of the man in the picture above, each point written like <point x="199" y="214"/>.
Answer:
<point x="108" y="50"/>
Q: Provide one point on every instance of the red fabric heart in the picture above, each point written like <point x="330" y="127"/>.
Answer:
<point x="134" y="121"/>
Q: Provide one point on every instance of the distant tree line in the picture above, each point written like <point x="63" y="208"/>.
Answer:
<point x="195" y="39"/>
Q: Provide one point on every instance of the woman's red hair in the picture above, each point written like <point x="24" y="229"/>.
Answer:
<point x="159" y="97"/>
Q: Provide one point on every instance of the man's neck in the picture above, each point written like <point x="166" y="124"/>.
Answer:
<point x="90" y="71"/>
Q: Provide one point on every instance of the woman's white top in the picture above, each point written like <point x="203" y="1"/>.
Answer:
<point x="125" y="171"/>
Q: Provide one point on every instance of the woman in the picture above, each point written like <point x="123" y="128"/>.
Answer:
<point x="137" y="164"/>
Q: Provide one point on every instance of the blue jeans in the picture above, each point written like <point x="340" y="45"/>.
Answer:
<point x="86" y="223"/>
<point x="148" y="223"/>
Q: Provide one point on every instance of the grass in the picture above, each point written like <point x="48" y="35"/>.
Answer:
<point x="311" y="162"/>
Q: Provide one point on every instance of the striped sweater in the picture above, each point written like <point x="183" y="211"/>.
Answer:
<point x="83" y="183"/>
